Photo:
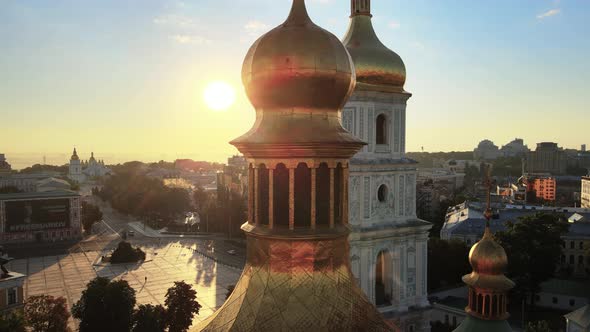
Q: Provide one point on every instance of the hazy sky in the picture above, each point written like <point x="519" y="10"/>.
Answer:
<point x="125" y="78"/>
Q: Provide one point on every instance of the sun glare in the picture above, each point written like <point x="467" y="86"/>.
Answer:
<point x="219" y="96"/>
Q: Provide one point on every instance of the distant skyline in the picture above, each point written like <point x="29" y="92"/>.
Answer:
<point x="125" y="78"/>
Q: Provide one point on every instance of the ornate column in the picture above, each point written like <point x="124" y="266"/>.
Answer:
<point x="271" y="203"/>
<point x="331" y="197"/>
<point x="251" y="194"/>
<point x="291" y="197"/>
<point x="313" y="193"/>
<point x="345" y="193"/>
<point x="256" y="196"/>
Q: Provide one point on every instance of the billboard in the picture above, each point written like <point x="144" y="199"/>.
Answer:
<point x="37" y="215"/>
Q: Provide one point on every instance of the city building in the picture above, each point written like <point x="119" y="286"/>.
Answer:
<point x="5" y="167"/>
<point x="578" y="320"/>
<point x="234" y="177"/>
<point x="547" y="158"/>
<point x="24" y="182"/>
<point x="81" y="171"/>
<point x="585" y="192"/>
<point x="388" y="243"/>
<point x="297" y="274"/>
<point x="465" y="221"/>
<point x="459" y="166"/>
<point x="515" y="148"/>
<point x="487" y="299"/>
<point x="486" y="150"/>
<point x="544" y="188"/>
<point x="12" y="296"/>
<point x="40" y="216"/>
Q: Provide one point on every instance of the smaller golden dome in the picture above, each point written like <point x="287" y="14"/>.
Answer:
<point x="487" y="256"/>
<point x="377" y="67"/>
<point x="488" y="260"/>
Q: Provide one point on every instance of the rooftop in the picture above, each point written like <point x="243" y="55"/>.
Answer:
<point x="33" y="195"/>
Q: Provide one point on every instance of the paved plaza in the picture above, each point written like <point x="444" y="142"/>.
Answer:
<point x="175" y="260"/>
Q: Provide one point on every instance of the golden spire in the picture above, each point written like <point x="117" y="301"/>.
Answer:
<point x="74" y="155"/>
<point x="488" y="286"/>
<point x="297" y="276"/>
<point x="377" y="67"/>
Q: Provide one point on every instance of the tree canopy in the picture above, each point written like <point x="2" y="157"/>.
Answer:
<point x="533" y="247"/>
<point x="45" y="313"/>
<point x="447" y="262"/>
<point x="90" y="215"/>
<point x="105" y="306"/>
<point x="149" y="318"/>
<point x="181" y="306"/>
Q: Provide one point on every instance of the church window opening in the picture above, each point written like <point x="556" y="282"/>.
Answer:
<point x="383" y="279"/>
<point x="382" y="193"/>
<point x="338" y="193"/>
<point x="281" y="195"/>
<point x="322" y="191"/>
<point x="381" y="129"/>
<point x="302" y="195"/>
<point x="262" y="192"/>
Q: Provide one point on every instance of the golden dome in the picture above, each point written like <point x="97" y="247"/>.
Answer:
<point x="298" y="65"/>
<point x="298" y="76"/>
<point x="489" y="261"/>
<point x="377" y="67"/>
<point x="74" y="155"/>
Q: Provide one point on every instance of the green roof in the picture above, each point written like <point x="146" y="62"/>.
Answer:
<point x="34" y="195"/>
<point x="472" y="324"/>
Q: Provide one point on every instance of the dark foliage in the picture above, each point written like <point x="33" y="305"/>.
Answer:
<point x="447" y="262"/>
<point x="44" y="313"/>
<point x="90" y="215"/>
<point x="533" y="247"/>
<point x="105" y="306"/>
<point x="125" y="253"/>
<point x="149" y="318"/>
<point x="38" y="168"/>
<point x="182" y="305"/>
<point x="12" y="322"/>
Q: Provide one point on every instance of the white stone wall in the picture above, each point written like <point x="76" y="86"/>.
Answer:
<point x="382" y="226"/>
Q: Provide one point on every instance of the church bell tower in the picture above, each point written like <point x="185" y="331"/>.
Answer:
<point x="297" y="275"/>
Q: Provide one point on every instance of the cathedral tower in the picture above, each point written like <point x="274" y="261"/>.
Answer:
<point x="388" y="241"/>
<point x="75" y="169"/>
<point x="297" y="275"/>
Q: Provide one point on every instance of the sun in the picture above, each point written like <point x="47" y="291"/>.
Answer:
<point x="219" y="95"/>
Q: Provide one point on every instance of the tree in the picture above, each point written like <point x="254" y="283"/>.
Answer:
<point x="90" y="215"/>
<point x="105" y="306"/>
<point x="125" y="253"/>
<point x="447" y="262"/>
<point x="201" y="199"/>
<point x="533" y="247"/>
<point x="182" y="306"/>
<point x="539" y="326"/>
<point x="149" y="318"/>
<point x="13" y="322"/>
<point x="45" y="313"/>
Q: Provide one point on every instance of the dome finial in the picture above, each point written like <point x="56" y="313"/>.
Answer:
<point x="360" y="7"/>
<point x="298" y="14"/>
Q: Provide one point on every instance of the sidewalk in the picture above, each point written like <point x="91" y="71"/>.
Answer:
<point x="150" y="232"/>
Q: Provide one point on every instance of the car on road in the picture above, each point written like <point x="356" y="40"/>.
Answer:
<point x="130" y="233"/>
<point x="231" y="252"/>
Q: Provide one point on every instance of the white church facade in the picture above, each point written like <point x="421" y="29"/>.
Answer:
<point x="388" y="242"/>
<point x="81" y="171"/>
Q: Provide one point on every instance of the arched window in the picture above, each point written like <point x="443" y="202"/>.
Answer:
<point x="322" y="204"/>
<point x="382" y="193"/>
<point x="487" y="306"/>
<point x="302" y="196"/>
<point x="572" y="261"/>
<point x="580" y="260"/>
<point x="251" y="193"/>
<point x="262" y="192"/>
<point x="383" y="278"/>
<point x="381" y="129"/>
<point x="281" y="195"/>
